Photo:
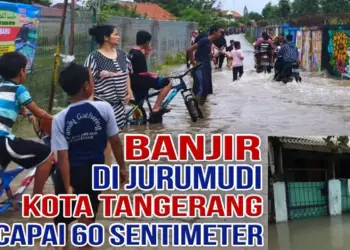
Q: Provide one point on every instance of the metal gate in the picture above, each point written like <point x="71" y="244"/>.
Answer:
<point x="271" y="199"/>
<point x="345" y="198"/>
<point x="306" y="192"/>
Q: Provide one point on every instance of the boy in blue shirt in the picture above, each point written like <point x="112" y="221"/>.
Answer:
<point x="14" y="99"/>
<point x="79" y="136"/>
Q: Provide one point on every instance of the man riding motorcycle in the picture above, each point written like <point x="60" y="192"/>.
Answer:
<point x="288" y="54"/>
<point x="263" y="46"/>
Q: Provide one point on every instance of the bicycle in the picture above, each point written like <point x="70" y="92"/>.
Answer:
<point x="137" y="114"/>
<point x="6" y="177"/>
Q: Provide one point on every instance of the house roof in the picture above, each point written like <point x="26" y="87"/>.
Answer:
<point x="151" y="10"/>
<point x="61" y="5"/>
<point x="236" y="14"/>
<point x="314" y="143"/>
<point x="304" y="140"/>
<point x="228" y="12"/>
<point x="49" y="11"/>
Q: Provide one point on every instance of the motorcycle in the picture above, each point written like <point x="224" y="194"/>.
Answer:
<point x="291" y="71"/>
<point x="265" y="65"/>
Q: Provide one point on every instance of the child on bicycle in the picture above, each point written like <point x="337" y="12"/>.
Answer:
<point x="14" y="99"/>
<point x="142" y="80"/>
<point x="79" y="136"/>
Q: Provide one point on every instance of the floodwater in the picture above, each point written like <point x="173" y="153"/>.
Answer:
<point x="324" y="233"/>
<point x="256" y="104"/>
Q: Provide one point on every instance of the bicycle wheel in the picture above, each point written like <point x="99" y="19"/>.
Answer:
<point x="135" y="114"/>
<point x="193" y="109"/>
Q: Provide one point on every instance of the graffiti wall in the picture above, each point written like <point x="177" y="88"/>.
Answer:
<point x="316" y="50"/>
<point x="337" y="50"/>
<point x="311" y="44"/>
<point x="305" y="51"/>
<point x="299" y="42"/>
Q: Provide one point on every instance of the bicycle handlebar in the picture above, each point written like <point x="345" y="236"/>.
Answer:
<point x="188" y="71"/>
<point x="36" y="126"/>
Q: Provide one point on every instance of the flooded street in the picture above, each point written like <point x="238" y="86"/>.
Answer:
<point x="256" y="104"/>
<point x="320" y="233"/>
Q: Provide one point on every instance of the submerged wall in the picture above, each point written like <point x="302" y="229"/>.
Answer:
<point x="296" y="200"/>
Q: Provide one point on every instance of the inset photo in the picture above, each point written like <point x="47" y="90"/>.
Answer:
<point x="309" y="192"/>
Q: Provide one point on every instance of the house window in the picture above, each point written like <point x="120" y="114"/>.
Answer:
<point x="305" y="166"/>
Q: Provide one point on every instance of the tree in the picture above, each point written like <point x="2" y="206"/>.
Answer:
<point x="175" y="7"/>
<point x="335" y="6"/>
<point x="302" y="7"/>
<point x="245" y="11"/>
<point x="109" y="10"/>
<point x="338" y="144"/>
<point x="270" y="11"/>
<point x="284" y="8"/>
<point x="255" y="16"/>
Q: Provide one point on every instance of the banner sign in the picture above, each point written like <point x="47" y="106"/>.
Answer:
<point x="19" y="25"/>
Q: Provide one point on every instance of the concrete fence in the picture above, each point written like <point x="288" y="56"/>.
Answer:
<point x="168" y="38"/>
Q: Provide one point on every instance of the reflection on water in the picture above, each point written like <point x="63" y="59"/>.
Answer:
<point x="256" y="104"/>
<point x="324" y="233"/>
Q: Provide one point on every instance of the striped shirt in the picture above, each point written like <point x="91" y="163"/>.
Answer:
<point x="110" y="89"/>
<point x="12" y="97"/>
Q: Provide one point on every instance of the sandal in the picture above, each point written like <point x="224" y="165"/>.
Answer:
<point x="162" y="111"/>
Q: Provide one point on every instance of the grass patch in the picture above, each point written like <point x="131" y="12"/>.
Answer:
<point x="171" y="61"/>
<point x="250" y="38"/>
<point x="24" y="127"/>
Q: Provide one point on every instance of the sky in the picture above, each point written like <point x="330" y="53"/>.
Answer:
<point x="252" y="5"/>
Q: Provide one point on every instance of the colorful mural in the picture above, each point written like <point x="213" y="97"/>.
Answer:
<point x="316" y="50"/>
<point x="305" y="53"/>
<point x="338" y="46"/>
<point x="299" y="42"/>
<point x="327" y="48"/>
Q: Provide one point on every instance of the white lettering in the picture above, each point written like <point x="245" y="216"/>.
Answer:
<point x="5" y="31"/>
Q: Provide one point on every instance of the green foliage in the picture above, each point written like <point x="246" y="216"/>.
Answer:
<point x="270" y="11"/>
<point x="249" y="38"/>
<point x="176" y="59"/>
<point x="302" y="7"/>
<point x="165" y="68"/>
<point x="284" y="8"/>
<point x="338" y="144"/>
<point x="233" y="24"/>
<point x="254" y="16"/>
<point x="201" y="11"/>
<point x="245" y="11"/>
<point x="297" y="8"/>
<point x="335" y="6"/>
<point x="109" y="10"/>
<point x="177" y="6"/>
